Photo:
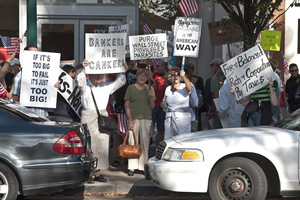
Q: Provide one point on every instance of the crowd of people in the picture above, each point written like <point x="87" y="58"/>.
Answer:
<point x="158" y="102"/>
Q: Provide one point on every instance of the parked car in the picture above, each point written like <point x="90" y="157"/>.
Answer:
<point x="236" y="163"/>
<point x="41" y="156"/>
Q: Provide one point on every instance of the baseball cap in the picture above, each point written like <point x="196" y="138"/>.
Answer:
<point x="216" y="61"/>
<point x="15" y="61"/>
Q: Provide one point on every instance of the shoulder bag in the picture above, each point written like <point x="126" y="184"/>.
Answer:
<point x="130" y="151"/>
<point x="105" y="124"/>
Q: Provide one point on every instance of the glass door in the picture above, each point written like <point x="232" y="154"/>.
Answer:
<point x="60" y="36"/>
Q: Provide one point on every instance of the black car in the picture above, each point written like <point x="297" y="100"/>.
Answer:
<point x="41" y="156"/>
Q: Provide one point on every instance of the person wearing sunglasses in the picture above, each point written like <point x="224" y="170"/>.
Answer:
<point x="176" y="104"/>
<point x="293" y="88"/>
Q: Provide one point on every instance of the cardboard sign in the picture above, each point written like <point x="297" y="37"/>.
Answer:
<point x="187" y="36"/>
<point x="70" y="91"/>
<point x="148" y="46"/>
<point x="39" y="74"/>
<point x="105" y="53"/>
<point x="248" y="72"/>
<point x="224" y="32"/>
<point x="121" y="29"/>
<point x="270" y="40"/>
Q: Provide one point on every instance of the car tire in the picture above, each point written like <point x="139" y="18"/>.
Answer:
<point x="9" y="185"/>
<point x="238" y="178"/>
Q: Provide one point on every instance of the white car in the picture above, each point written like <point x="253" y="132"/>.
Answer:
<point x="236" y="163"/>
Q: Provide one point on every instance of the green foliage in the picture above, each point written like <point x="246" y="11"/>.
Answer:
<point x="253" y="16"/>
<point x="168" y="9"/>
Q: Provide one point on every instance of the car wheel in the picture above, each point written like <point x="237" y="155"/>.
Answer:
<point x="9" y="186"/>
<point x="237" y="178"/>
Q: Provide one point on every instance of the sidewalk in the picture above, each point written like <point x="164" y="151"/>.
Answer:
<point x="119" y="183"/>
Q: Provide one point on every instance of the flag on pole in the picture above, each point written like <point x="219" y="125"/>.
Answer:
<point x="148" y="30"/>
<point x="285" y="65"/>
<point x="11" y="45"/>
<point x="188" y="7"/>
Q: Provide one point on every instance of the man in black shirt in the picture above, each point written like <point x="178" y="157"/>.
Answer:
<point x="293" y="89"/>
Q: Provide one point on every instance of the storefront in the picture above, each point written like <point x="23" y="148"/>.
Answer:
<point x="62" y="24"/>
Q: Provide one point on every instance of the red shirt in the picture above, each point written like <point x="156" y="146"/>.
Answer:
<point x="160" y="88"/>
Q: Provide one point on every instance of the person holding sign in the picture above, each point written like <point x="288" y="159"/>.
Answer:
<point x="259" y="105"/>
<point x="63" y="111"/>
<point x="101" y="91"/>
<point x="139" y="102"/>
<point x="176" y="103"/>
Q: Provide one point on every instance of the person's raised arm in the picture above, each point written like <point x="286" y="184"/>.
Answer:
<point x="186" y="81"/>
<point x="5" y="68"/>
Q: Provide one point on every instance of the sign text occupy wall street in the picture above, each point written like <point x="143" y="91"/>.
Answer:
<point x="248" y="71"/>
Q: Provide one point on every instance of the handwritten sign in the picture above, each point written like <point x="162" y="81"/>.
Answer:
<point x="248" y="72"/>
<point x="39" y="74"/>
<point x="121" y="29"/>
<point x="270" y="40"/>
<point x="187" y="36"/>
<point x="105" y="52"/>
<point x="148" y="46"/>
<point x="224" y="32"/>
<point x="70" y="91"/>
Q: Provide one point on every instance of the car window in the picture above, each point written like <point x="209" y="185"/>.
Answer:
<point x="292" y="122"/>
<point x="21" y="112"/>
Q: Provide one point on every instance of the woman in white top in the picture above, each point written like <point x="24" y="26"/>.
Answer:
<point x="101" y="91"/>
<point x="176" y="102"/>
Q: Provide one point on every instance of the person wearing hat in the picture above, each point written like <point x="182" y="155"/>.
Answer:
<point x="215" y="86"/>
<point x="14" y="70"/>
<point x="176" y="103"/>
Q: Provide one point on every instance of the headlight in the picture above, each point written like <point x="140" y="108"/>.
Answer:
<point x="183" y="155"/>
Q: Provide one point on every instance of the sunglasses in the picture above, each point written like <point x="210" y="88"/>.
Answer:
<point x="73" y="70"/>
<point x="175" y="74"/>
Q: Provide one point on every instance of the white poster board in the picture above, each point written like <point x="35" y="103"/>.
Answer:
<point x="187" y="36"/>
<point x="39" y="74"/>
<point x="70" y="91"/>
<point x="105" y="53"/>
<point x="248" y="72"/>
<point x="148" y="46"/>
<point x="121" y="29"/>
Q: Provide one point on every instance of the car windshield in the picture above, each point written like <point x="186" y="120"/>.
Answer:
<point x="292" y="122"/>
<point x="21" y="111"/>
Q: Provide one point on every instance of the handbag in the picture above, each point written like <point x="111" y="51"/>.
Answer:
<point x="130" y="151"/>
<point x="105" y="124"/>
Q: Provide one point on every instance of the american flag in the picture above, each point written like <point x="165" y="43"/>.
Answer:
<point x="11" y="45"/>
<point x="122" y="122"/>
<point x="188" y="7"/>
<point x="285" y="65"/>
<point x="148" y="30"/>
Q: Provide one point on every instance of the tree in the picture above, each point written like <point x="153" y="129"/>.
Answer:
<point x="253" y="16"/>
<point x="165" y="8"/>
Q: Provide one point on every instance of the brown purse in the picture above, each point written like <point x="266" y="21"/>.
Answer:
<point x="130" y="151"/>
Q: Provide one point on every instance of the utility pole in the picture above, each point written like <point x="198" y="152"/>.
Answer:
<point x="31" y="23"/>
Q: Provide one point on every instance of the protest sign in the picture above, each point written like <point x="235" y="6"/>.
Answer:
<point x="170" y="40"/>
<point x="39" y="74"/>
<point x="105" y="53"/>
<point x="148" y="46"/>
<point x="270" y="40"/>
<point x="224" y="32"/>
<point x="187" y="36"/>
<point x="70" y="91"/>
<point x="121" y="29"/>
<point x="248" y="72"/>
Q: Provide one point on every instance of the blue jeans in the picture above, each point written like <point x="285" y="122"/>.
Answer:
<point x="254" y="120"/>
